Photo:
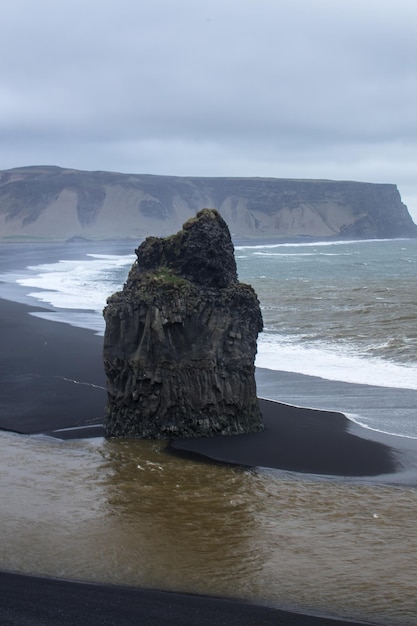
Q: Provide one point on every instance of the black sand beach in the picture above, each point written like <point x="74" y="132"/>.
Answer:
<point x="31" y="601"/>
<point x="299" y="440"/>
<point x="51" y="374"/>
<point x="52" y="381"/>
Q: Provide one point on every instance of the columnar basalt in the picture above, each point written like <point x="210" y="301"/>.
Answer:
<point x="180" y="340"/>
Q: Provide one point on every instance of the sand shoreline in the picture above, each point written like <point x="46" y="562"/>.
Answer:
<point x="52" y="379"/>
<point x="39" y="601"/>
<point x="300" y="440"/>
<point x="41" y="360"/>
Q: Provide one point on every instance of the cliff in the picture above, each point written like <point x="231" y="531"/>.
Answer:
<point x="180" y="339"/>
<point x="58" y="204"/>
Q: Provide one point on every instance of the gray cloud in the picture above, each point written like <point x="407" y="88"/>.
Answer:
<point x="300" y="88"/>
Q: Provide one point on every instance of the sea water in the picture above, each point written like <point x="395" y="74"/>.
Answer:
<point x="341" y="324"/>
<point x="343" y="312"/>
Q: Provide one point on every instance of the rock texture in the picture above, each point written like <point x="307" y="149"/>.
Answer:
<point x="61" y="204"/>
<point x="180" y="340"/>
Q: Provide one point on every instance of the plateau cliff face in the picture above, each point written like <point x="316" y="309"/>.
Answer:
<point x="58" y="204"/>
<point x="180" y="339"/>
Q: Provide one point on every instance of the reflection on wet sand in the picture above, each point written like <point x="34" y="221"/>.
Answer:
<point x="127" y="512"/>
<point x="186" y="522"/>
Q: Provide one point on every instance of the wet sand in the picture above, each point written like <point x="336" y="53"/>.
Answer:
<point x="52" y="381"/>
<point x="51" y="374"/>
<point x="299" y="440"/>
<point x="32" y="601"/>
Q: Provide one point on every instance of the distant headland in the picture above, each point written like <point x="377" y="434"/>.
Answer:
<point x="49" y="203"/>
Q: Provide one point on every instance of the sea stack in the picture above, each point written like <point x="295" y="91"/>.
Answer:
<point x="180" y="339"/>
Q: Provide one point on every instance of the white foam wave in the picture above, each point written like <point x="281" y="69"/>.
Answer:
<point x="361" y="421"/>
<point x="85" y="285"/>
<point x="306" y="244"/>
<point x="119" y="259"/>
<point x="292" y="255"/>
<point x="76" y="284"/>
<point x="328" y="362"/>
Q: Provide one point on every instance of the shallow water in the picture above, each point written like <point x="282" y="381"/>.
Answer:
<point x="343" y="310"/>
<point x="128" y="512"/>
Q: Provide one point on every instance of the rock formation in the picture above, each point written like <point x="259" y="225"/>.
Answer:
<point x="62" y="204"/>
<point x="180" y="340"/>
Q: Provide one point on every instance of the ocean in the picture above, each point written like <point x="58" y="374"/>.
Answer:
<point x="340" y="333"/>
<point x="340" y="312"/>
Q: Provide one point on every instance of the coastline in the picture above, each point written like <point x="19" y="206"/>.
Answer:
<point x="51" y="373"/>
<point x="52" y="379"/>
<point x="42" y="601"/>
<point x="42" y="361"/>
<point x="300" y="440"/>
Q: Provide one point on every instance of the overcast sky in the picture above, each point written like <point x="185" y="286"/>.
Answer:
<point x="282" y="88"/>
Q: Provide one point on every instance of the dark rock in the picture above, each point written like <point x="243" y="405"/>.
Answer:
<point x="180" y="340"/>
<point x="202" y="252"/>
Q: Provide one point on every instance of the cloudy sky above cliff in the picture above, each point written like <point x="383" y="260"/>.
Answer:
<point x="282" y="88"/>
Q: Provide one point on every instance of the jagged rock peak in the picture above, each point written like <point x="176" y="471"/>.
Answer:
<point x="201" y="252"/>
<point x="180" y="339"/>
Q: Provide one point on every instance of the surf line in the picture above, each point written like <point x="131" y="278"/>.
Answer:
<point x="79" y="382"/>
